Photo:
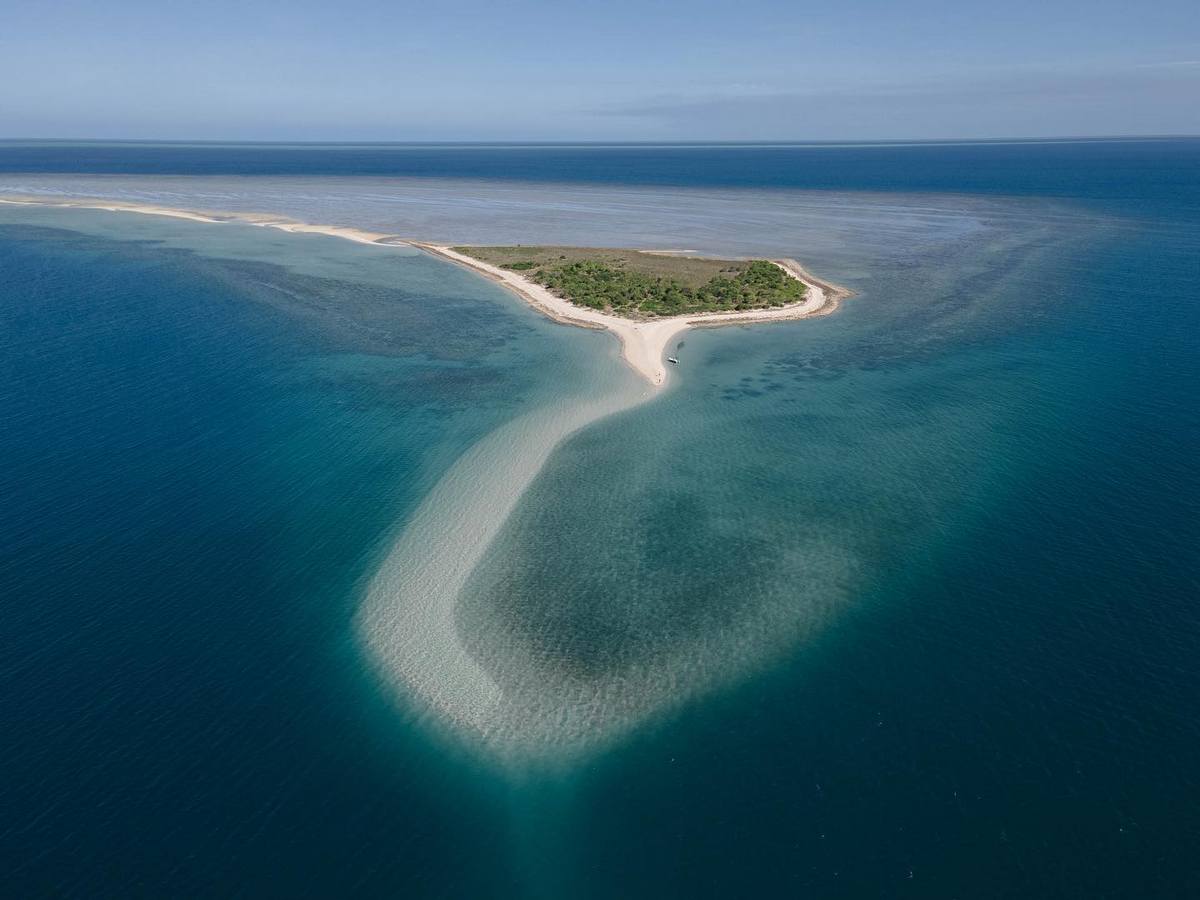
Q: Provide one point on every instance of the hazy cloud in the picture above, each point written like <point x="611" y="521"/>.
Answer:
<point x="1148" y="99"/>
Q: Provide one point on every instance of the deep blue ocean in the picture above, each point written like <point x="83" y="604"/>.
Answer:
<point x="899" y="602"/>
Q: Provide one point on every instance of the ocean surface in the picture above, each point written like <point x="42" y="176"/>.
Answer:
<point x="899" y="602"/>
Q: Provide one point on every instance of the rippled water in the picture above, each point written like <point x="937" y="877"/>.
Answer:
<point x="897" y="601"/>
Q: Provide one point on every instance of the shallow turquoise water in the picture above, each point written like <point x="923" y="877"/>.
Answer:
<point x="894" y="602"/>
<point x="205" y="456"/>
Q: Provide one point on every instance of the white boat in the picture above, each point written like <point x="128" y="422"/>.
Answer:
<point x="672" y="359"/>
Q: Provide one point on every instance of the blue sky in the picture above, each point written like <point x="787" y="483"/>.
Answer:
<point x="526" y="70"/>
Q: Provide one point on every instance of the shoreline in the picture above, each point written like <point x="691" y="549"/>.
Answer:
<point x="643" y="341"/>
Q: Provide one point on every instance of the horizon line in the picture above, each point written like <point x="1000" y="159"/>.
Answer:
<point x="698" y="142"/>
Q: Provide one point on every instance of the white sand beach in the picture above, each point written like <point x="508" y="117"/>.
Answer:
<point x="644" y="343"/>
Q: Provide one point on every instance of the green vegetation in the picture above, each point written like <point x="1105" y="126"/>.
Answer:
<point x="760" y="285"/>
<point x="633" y="283"/>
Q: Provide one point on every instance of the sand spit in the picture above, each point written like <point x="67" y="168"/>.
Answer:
<point x="263" y="220"/>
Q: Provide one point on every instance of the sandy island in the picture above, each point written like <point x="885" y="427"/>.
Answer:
<point x="643" y="341"/>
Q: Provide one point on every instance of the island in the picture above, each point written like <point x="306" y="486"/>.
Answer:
<point x="647" y="297"/>
<point x="641" y="284"/>
<point x="644" y="297"/>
